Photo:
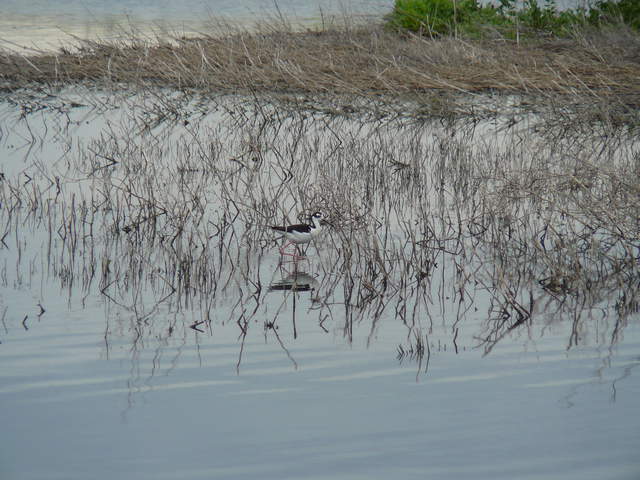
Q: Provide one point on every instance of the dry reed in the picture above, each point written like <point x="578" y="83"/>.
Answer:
<point x="352" y="59"/>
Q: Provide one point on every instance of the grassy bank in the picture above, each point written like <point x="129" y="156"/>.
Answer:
<point x="593" y="72"/>
<point x="346" y="59"/>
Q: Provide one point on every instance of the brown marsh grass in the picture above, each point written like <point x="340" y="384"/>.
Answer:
<point x="349" y="58"/>
<point x="162" y="211"/>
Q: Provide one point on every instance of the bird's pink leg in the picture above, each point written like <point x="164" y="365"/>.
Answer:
<point x="295" y="256"/>
<point x="284" y="248"/>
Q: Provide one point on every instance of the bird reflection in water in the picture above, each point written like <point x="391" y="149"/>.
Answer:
<point x="296" y="281"/>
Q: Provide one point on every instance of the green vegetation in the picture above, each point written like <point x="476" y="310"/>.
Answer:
<point x="510" y="18"/>
<point x="627" y="11"/>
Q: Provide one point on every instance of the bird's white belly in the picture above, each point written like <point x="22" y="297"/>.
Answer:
<point x="297" y="237"/>
<point x="303" y="237"/>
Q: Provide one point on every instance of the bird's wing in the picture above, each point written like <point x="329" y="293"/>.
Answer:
<point x="293" y="228"/>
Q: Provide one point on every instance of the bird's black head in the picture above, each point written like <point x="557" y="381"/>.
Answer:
<point x="318" y="218"/>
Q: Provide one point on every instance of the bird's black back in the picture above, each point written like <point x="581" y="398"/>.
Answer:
<point x="302" y="227"/>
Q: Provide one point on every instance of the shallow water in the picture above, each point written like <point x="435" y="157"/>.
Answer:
<point x="47" y="25"/>
<point x="160" y="350"/>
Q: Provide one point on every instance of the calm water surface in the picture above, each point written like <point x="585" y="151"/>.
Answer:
<point x="46" y="25"/>
<point x="114" y="366"/>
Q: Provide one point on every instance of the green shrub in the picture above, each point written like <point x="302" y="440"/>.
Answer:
<point x="609" y="11"/>
<point x="547" y="18"/>
<point x="433" y="16"/>
<point x="445" y="17"/>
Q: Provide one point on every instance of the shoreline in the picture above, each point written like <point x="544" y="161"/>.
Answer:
<point x="593" y="75"/>
<point x="48" y="39"/>
<point x="49" y="32"/>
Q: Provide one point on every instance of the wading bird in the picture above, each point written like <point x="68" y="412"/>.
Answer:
<point x="299" y="234"/>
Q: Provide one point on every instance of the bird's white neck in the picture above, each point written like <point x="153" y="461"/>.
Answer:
<point x="316" y="223"/>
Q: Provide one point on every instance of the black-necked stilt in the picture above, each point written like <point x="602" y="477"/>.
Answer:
<point x="301" y="233"/>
